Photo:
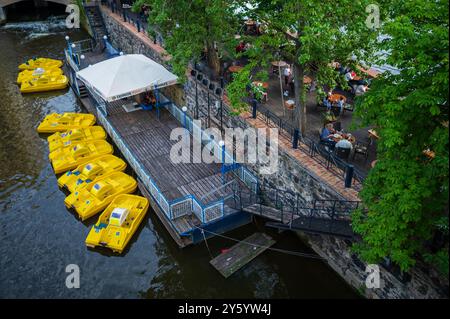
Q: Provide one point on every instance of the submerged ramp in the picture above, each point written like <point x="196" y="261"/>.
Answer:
<point x="241" y="254"/>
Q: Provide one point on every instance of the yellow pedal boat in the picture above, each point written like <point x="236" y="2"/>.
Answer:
<point x="68" y="158"/>
<point x="40" y="63"/>
<point x="44" y="83"/>
<point x="27" y="75"/>
<point x="59" y="140"/>
<point x="92" y="199"/>
<point x="117" y="224"/>
<point x="63" y="122"/>
<point x="90" y="172"/>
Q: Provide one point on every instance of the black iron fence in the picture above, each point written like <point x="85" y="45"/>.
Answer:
<point x="351" y="176"/>
<point x="137" y="19"/>
<point x="330" y="216"/>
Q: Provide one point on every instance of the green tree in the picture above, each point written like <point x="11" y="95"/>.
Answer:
<point x="193" y="28"/>
<point x="406" y="193"/>
<point x="311" y="35"/>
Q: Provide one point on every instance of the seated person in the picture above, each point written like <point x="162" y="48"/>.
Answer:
<point x="327" y="133"/>
<point x="240" y="47"/>
<point x="150" y="99"/>
<point x="349" y="76"/>
<point x="361" y="89"/>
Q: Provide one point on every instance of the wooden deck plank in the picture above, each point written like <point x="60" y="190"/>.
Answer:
<point x="241" y="254"/>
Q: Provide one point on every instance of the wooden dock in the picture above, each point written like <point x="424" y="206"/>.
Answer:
<point x="148" y="138"/>
<point x="241" y="254"/>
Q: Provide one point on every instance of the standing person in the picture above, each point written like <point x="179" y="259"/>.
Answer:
<point x="327" y="103"/>
<point x="287" y="75"/>
<point x="340" y="105"/>
<point x="348" y="76"/>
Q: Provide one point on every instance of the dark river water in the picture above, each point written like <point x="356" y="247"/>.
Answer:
<point x="39" y="237"/>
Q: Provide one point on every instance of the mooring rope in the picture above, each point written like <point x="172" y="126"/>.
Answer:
<point x="206" y="242"/>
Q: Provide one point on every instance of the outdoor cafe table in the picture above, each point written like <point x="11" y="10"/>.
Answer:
<point x="336" y="97"/>
<point x="289" y="104"/>
<point x="339" y="136"/>
<point x="307" y="80"/>
<point x="235" y="68"/>
<point x="280" y="64"/>
<point x="264" y="85"/>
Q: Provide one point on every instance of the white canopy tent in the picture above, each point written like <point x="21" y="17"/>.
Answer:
<point x="125" y="76"/>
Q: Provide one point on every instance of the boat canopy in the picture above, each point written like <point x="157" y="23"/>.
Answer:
<point x="125" y="76"/>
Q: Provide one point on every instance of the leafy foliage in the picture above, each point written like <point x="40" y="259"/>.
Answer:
<point x="311" y="35"/>
<point x="190" y="27"/>
<point x="406" y="193"/>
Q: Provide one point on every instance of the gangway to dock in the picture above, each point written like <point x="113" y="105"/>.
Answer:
<point x="286" y="211"/>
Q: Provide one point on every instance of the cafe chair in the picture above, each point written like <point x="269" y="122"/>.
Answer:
<point x="361" y="149"/>
<point x="342" y="153"/>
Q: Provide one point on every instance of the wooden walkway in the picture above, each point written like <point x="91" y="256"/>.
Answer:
<point x="148" y="138"/>
<point x="241" y="254"/>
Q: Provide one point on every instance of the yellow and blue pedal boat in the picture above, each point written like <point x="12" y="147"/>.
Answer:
<point x="90" y="172"/>
<point x="92" y="199"/>
<point x="44" y="63"/>
<point x="44" y="83"/>
<point x="68" y="158"/>
<point x="63" y="122"/>
<point x="27" y="75"/>
<point x="118" y="222"/>
<point x="59" y="140"/>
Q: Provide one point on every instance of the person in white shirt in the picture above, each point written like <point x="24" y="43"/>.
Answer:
<point x="361" y="89"/>
<point x="287" y="74"/>
<point x="340" y="104"/>
<point x="348" y="76"/>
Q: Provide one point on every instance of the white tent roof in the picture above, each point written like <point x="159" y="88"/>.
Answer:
<point x="124" y="76"/>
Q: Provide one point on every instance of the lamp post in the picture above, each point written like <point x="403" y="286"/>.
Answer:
<point x="184" y="109"/>
<point x="222" y="147"/>
<point x="105" y="41"/>
<point x="82" y="57"/>
<point x="73" y="55"/>
<point x="69" y="49"/>
<point x="221" y="104"/>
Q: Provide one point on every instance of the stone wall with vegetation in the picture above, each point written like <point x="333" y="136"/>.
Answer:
<point x="423" y="283"/>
